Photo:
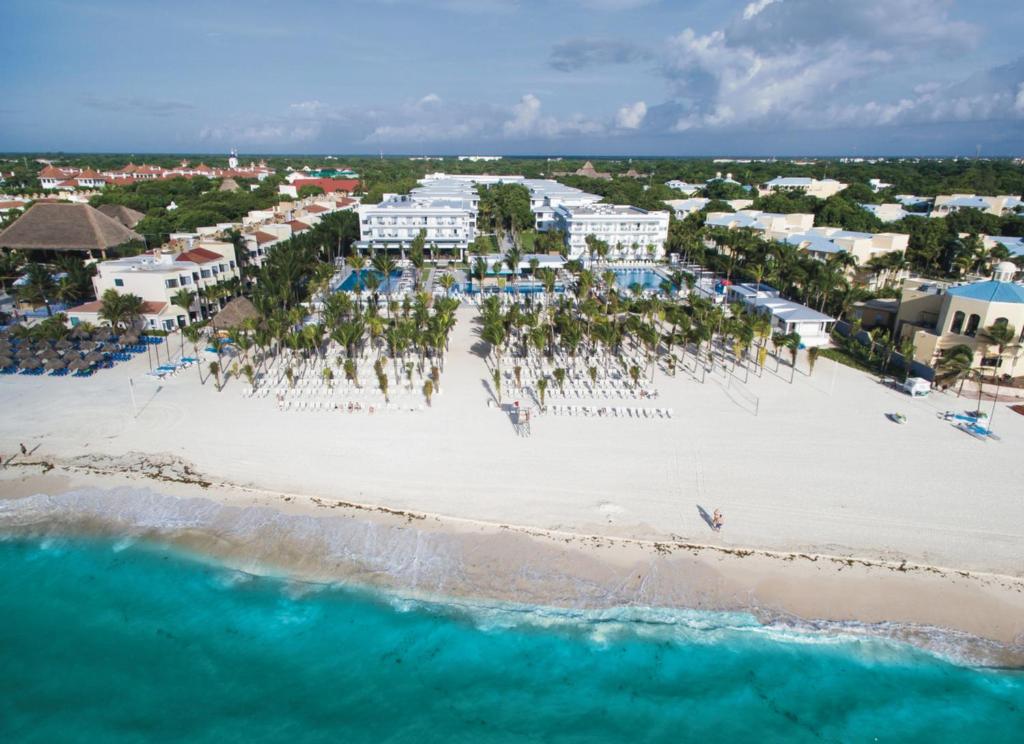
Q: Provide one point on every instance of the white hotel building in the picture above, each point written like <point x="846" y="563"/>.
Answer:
<point x="156" y="277"/>
<point x="392" y="225"/>
<point x="630" y="232"/>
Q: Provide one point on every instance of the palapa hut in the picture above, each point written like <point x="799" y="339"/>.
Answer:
<point x="234" y="314"/>
<point x="126" y="216"/>
<point x="66" y="227"/>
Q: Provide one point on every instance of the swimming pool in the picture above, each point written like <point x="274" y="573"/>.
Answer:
<point x="646" y="278"/>
<point x="356" y="280"/>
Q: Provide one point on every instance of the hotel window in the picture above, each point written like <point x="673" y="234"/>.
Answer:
<point x="1002" y="321"/>
<point x="958" y="322"/>
<point x="972" y="324"/>
<point x="170" y="283"/>
<point x="205" y="273"/>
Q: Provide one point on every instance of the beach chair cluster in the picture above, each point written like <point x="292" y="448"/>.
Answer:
<point x="172" y="368"/>
<point x="972" y="423"/>
<point x="309" y="391"/>
<point x="635" y="412"/>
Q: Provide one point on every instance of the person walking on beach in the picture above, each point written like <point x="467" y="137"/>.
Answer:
<point x="717" y="520"/>
<point x="23" y="450"/>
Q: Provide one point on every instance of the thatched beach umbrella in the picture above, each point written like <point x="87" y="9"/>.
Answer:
<point x="131" y="338"/>
<point x="6" y="361"/>
<point x="104" y="334"/>
<point x="25" y="353"/>
<point x="76" y="364"/>
<point x="54" y="364"/>
<point x="64" y="344"/>
<point x="88" y="345"/>
<point x="30" y="363"/>
<point x="94" y="357"/>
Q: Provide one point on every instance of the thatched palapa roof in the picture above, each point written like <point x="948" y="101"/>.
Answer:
<point x="65" y="227"/>
<point x="126" y="216"/>
<point x="234" y="314"/>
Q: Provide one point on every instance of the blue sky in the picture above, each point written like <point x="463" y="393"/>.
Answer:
<point x="643" y="77"/>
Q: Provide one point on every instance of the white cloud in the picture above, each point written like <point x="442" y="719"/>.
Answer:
<point x="756" y="7"/>
<point x="631" y="116"/>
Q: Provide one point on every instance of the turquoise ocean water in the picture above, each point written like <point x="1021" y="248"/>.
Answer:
<point x="106" y="642"/>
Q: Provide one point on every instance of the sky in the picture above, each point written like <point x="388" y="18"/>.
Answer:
<point x="432" y="77"/>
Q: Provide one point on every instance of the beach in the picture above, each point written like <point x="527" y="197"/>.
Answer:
<point x="833" y="513"/>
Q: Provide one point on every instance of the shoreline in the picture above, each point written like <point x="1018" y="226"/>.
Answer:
<point x="432" y="557"/>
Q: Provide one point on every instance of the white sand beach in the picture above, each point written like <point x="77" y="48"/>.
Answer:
<point x="819" y="470"/>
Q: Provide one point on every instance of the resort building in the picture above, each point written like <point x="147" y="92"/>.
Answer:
<point x="392" y="225"/>
<point x="787" y="317"/>
<point x="996" y="205"/>
<point x="939" y="316"/>
<point x="892" y="212"/>
<point x="546" y="196"/>
<point x="687" y="189"/>
<point x="877" y="184"/>
<point x="820" y="189"/>
<point x="822" y="242"/>
<point x="630" y="232"/>
<point x="771" y="225"/>
<point x="156" y="277"/>
<point x="1015" y="246"/>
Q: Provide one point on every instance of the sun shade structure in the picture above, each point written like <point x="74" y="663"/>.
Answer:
<point x="125" y="215"/>
<point x="66" y="227"/>
<point x="234" y="314"/>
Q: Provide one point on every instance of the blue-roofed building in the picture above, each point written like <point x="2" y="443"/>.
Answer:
<point x="1014" y="245"/>
<point x="939" y="317"/>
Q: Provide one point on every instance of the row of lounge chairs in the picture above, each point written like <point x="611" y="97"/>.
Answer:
<point x="609" y="411"/>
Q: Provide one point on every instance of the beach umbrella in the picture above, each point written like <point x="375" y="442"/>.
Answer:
<point x="79" y="332"/>
<point x="131" y="338"/>
<point x="30" y="364"/>
<point x="94" y="357"/>
<point x="104" y="334"/>
<point x="52" y="364"/>
<point x="77" y="364"/>
<point x="25" y="353"/>
<point x="6" y="361"/>
<point x="64" y="344"/>
<point x="88" y="345"/>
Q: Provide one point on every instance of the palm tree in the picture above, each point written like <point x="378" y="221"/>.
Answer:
<point x="250" y="375"/>
<point x="447" y="282"/>
<point x="542" y="388"/>
<point x="496" y="379"/>
<point x="1003" y="336"/>
<point x="907" y="349"/>
<point x="184" y="299"/>
<point x="215" y="371"/>
<point x="193" y="334"/>
<point x="559" y="375"/>
<point x="956" y="365"/>
<point x="812" y="357"/>
<point x="39" y="287"/>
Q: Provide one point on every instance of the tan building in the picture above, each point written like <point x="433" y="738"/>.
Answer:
<point x="997" y="205"/>
<point x="939" y="317"/>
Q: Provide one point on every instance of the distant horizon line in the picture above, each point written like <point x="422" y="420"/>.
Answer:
<point x="439" y="156"/>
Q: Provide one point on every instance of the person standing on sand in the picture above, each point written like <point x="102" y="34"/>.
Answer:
<point x="23" y="450"/>
<point x="717" y="520"/>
